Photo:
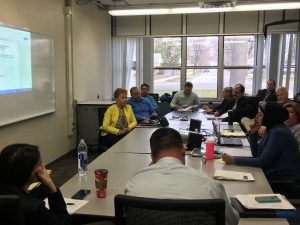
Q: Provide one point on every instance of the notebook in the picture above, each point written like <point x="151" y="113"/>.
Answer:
<point x="260" y="213"/>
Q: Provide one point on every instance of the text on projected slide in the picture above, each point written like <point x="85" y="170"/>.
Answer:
<point x="15" y="61"/>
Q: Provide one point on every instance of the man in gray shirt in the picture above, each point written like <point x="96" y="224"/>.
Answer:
<point x="168" y="178"/>
<point x="185" y="98"/>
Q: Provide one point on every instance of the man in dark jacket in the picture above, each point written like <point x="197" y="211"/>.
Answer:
<point x="268" y="94"/>
<point x="245" y="106"/>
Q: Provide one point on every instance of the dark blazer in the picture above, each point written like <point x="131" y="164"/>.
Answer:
<point x="224" y="106"/>
<point x="246" y="107"/>
<point x="263" y="95"/>
<point x="34" y="210"/>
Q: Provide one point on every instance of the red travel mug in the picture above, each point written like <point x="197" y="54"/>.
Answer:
<point x="101" y="182"/>
<point x="210" y="145"/>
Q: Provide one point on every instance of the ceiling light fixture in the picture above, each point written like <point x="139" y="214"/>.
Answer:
<point x="199" y="9"/>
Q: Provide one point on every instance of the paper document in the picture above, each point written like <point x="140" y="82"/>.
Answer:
<point x="233" y="175"/>
<point x="211" y="116"/>
<point x="72" y="204"/>
<point x="249" y="202"/>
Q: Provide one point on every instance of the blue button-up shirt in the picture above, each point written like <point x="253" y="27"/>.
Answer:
<point x="142" y="108"/>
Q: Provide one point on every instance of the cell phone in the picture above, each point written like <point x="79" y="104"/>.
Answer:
<point x="267" y="199"/>
<point x="81" y="194"/>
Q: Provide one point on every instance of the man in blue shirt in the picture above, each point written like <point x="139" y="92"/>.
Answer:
<point x="145" y="93"/>
<point x="141" y="106"/>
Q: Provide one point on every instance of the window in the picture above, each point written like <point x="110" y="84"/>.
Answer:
<point x="167" y="64"/>
<point x="202" y="62"/>
<point x="239" y="61"/>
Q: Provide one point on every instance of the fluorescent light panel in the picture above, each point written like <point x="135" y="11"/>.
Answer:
<point x="188" y="10"/>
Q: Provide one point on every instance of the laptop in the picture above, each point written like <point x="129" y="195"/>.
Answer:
<point x="226" y="141"/>
<point x="195" y="125"/>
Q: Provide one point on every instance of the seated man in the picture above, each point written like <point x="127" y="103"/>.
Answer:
<point x="245" y="106"/>
<point x="268" y="94"/>
<point x="185" y="98"/>
<point x="144" y="91"/>
<point x="168" y="178"/>
<point x="282" y="95"/>
<point x="141" y="106"/>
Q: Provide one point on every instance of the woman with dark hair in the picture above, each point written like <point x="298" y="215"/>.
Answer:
<point x="293" y="122"/>
<point x="227" y="103"/>
<point x="118" y="119"/>
<point x="277" y="153"/>
<point x="21" y="165"/>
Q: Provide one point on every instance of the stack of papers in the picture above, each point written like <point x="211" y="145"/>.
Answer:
<point x="232" y="134"/>
<point x="233" y="175"/>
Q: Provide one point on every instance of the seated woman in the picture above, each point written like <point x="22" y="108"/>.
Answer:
<point x="277" y="153"/>
<point x="21" y="165"/>
<point x="118" y="119"/>
<point x="227" y="103"/>
<point x="293" y="122"/>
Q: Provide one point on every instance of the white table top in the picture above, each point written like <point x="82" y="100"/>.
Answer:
<point x="132" y="153"/>
<point x="121" y="168"/>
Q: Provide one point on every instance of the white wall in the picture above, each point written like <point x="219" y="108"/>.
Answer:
<point x="92" y="53"/>
<point x="91" y="64"/>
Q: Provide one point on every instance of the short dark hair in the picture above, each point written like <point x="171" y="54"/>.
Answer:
<point x="144" y="84"/>
<point x="164" y="139"/>
<point x="274" y="82"/>
<point x="188" y="84"/>
<point x="133" y="88"/>
<point x="242" y="87"/>
<point x="17" y="162"/>
<point x="119" y="91"/>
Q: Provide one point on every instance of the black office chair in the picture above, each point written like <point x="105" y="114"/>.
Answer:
<point x="174" y="93"/>
<point x="10" y="210"/>
<point x="155" y="96"/>
<point x="130" y="210"/>
<point x="297" y="98"/>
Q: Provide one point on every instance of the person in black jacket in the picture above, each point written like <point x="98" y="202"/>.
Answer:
<point x="245" y="106"/>
<point x="268" y="94"/>
<point x="226" y="104"/>
<point x="21" y="165"/>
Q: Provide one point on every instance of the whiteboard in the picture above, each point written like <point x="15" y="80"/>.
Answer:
<point x="27" y="85"/>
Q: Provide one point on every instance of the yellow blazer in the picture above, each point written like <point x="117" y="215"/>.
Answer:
<point x="111" y="117"/>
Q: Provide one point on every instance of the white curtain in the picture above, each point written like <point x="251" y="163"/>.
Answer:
<point x="124" y="52"/>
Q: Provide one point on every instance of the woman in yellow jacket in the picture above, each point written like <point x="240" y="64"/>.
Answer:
<point x="118" y="120"/>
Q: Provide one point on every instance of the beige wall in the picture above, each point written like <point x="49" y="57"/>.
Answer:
<point x="91" y="55"/>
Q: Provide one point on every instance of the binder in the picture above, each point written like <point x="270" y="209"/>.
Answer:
<point x="260" y="213"/>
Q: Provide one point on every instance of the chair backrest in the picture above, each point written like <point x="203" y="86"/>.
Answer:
<point x="297" y="97"/>
<point x="10" y="210"/>
<point x="132" y="210"/>
<point x="155" y="96"/>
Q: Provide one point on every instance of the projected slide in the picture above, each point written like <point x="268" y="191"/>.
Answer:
<point x="15" y="61"/>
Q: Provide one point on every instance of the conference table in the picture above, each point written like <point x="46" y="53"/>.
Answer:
<point x="132" y="153"/>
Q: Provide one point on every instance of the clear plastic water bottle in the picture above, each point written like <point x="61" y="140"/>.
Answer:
<point x="82" y="158"/>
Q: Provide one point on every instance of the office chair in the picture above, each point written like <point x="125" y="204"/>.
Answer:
<point x="132" y="210"/>
<point x="297" y="98"/>
<point x="10" y="210"/>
